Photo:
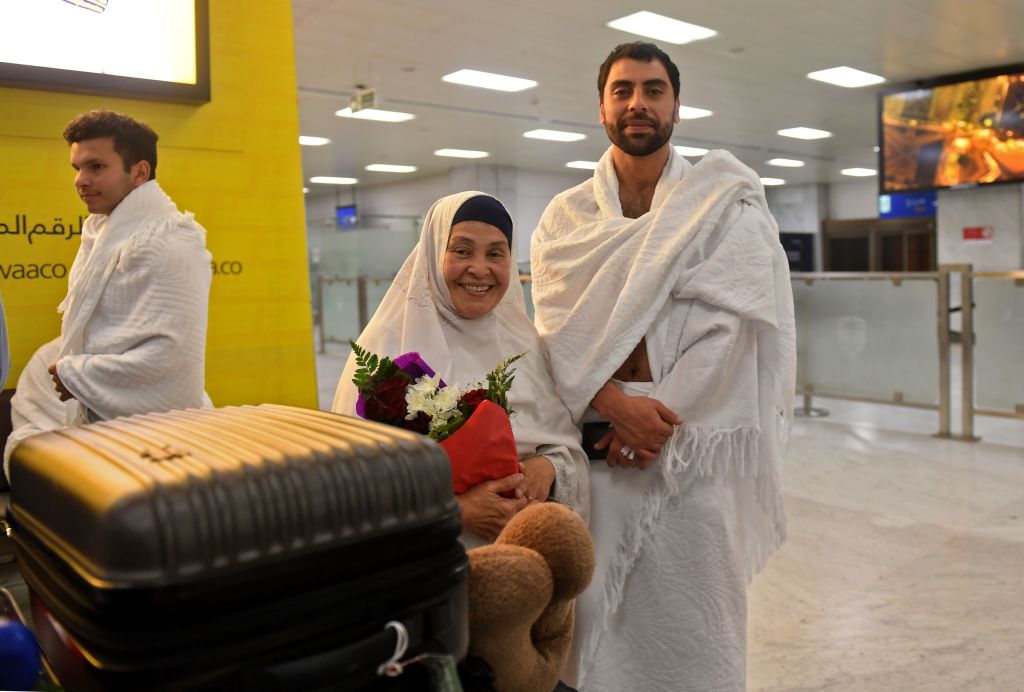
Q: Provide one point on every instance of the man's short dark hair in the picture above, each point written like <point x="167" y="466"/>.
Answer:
<point x="644" y="52"/>
<point x="134" y="140"/>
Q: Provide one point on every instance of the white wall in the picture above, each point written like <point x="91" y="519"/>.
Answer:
<point x="524" y="193"/>
<point x="800" y="209"/>
<point x="1002" y="208"/>
<point x="857" y="199"/>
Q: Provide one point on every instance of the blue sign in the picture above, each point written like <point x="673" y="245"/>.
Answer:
<point x="904" y="205"/>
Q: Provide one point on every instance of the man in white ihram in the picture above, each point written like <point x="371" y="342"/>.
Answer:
<point x="133" y="334"/>
<point x="662" y="294"/>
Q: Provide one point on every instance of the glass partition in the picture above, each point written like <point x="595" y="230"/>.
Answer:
<point x="999" y="341"/>
<point x="872" y="339"/>
<point x="339" y="310"/>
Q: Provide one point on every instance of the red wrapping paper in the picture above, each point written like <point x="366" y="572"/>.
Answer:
<point x="483" y="449"/>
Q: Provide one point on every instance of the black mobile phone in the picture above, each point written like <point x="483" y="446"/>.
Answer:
<point x="592" y="432"/>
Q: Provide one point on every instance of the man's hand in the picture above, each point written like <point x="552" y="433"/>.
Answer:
<point x="58" y="385"/>
<point x="638" y="459"/>
<point x="540" y="475"/>
<point x="639" y="422"/>
<point x="485" y="512"/>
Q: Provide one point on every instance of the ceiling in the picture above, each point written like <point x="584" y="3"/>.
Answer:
<point x="752" y="75"/>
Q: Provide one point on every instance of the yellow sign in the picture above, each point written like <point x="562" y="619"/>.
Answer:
<point x="234" y="162"/>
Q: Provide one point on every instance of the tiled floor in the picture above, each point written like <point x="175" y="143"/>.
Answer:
<point x="904" y="568"/>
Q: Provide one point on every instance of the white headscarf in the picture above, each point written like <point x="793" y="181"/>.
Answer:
<point x="417" y="314"/>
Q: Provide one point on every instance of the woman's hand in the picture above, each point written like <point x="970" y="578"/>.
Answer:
<point x="540" y="476"/>
<point x="485" y="512"/>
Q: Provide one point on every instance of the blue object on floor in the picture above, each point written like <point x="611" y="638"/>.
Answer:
<point x="19" y="656"/>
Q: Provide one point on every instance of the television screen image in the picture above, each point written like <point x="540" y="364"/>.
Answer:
<point x="81" y="45"/>
<point x="963" y="132"/>
<point x="347" y="216"/>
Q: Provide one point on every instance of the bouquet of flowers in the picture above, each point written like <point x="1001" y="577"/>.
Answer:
<point x="471" y="422"/>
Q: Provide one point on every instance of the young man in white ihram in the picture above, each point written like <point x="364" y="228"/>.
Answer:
<point x="662" y="296"/>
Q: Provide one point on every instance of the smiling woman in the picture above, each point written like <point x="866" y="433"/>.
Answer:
<point x="454" y="303"/>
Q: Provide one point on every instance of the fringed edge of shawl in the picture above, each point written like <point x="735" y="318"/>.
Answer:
<point x="708" y="450"/>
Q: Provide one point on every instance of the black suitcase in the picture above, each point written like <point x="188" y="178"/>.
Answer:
<point x="244" y="548"/>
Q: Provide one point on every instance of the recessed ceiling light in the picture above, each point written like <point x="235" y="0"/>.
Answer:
<point x="805" y="133"/>
<point x="874" y="149"/>
<point x="375" y="114"/>
<point x="786" y="163"/>
<point x="313" y="141"/>
<point x="660" y="27"/>
<point x="690" y="151"/>
<point x="846" y="77"/>
<point x="305" y="190"/>
<point x="586" y="165"/>
<point x="691" y="113"/>
<point x="555" y="135"/>
<point x="859" y="172"/>
<point x="331" y="180"/>
<point x="768" y="182"/>
<point x="489" y="80"/>
<point x="390" y="168"/>
<point x="461" y="153"/>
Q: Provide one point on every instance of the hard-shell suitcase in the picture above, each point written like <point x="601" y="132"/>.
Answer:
<point x="256" y="548"/>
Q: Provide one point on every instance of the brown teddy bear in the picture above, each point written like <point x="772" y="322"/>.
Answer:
<point x="522" y="592"/>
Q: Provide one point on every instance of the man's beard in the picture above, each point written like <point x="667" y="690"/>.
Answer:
<point x="638" y="144"/>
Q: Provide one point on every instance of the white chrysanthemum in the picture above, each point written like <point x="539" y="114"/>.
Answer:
<point x="447" y="400"/>
<point x="419" y="396"/>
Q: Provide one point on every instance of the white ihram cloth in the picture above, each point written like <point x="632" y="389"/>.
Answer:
<point x="35" y="406"/>
<point x="133" y="335"/>
<point x="417" y="314"/>
<point x="703" y="278"/>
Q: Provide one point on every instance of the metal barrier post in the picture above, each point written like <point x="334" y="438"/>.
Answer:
<point x="945" y="397"/>
<point x="320" y="312"/>
<point x="362" y="300"/>
<point x="967" y="354"/>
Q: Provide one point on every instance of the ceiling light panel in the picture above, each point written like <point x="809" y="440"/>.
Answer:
<point x="375" y="114"/>
<point x="805" y="133"/>
<point x="846" y="77"/>
<point x="584" y="165"/>
<point x="462" y="153"/>
<point x="555" y="135"/>
<point x="390" y="168"/>
<point x="785" y="163"/>
<point x="661" y="28"/>
<point x="690" y="151"/>
<point x="691" y="113"/>
<point x="313" y="141"/>
<point x="859" y="172"/>
<point x="769" y="182"/>
<point x="489" y="80"/>
<point x="331" y="180"/>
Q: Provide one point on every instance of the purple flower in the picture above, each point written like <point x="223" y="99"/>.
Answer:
<point x="410" y="363"/>
<point x="416" y="367"/>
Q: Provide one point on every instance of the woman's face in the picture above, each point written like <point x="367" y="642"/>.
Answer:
<point x="477" y="263"/>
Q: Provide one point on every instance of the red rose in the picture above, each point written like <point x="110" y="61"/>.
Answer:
<point x="419" y="424"/>
<point x="470" y="400"/>
<point x="387" y="404"/>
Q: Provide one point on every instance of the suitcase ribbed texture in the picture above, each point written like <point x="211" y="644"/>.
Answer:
<point x="163" y="497"/>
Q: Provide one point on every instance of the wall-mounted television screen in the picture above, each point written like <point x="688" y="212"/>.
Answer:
<point x="347" y="216"/>
<point x="149" y="49"/>
<point x="960" y="130"/>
